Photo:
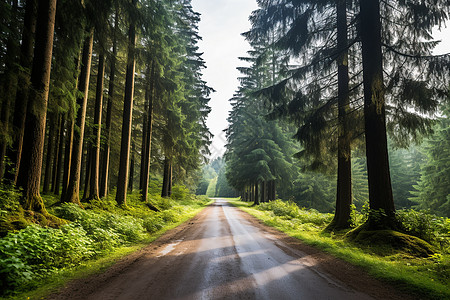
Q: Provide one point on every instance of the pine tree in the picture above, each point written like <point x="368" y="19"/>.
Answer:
<point x="20" y="105"/>
<point x="122" y="182"/>
<point x="72" y="194"/>
<point x="31" y="163"/>
<point x="433" y="189"/>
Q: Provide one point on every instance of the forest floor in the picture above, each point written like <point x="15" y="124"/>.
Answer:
<point x="224" y="253"/>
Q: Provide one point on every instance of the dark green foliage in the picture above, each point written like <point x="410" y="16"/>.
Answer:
<point x="118" y="230"/>
<point x="315" y="190"/>
<point x="223" y="189"/>
<point x="405" y="172"/>
<point x="36" y="252"/>
<point x="202" y="187"/>
<point x="433" y="189"/>
<point x="430" y="228"/>
<point x="360" y="187"/>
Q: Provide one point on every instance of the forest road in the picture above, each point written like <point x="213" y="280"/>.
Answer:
<point x="224" y="253"/>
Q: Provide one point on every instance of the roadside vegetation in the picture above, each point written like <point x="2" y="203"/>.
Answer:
<point x="89" y="239"/>
<point x="417" y="261"/>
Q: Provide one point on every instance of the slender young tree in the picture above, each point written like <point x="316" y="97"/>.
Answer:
<point x="344" y="197"/>
<point x="166" y="178"/>
<point x="73" y="191"/>
<point x="59" y="163"/>
<point x="111" y="88"/>
<point x="20" y="105"/>
<point x="95" y="150"/>
<point x="50" y="148"/>
<point x="31" y="163"/>
<point x="122" y="182"/>
<point x="145" y="172"/>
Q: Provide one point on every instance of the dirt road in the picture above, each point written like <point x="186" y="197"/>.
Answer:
<point x="223" y="253"/>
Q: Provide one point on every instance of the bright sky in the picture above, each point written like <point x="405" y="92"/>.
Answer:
<point x="221" y="25"/>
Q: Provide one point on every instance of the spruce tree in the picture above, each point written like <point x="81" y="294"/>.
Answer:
<point x="433" y="188"/>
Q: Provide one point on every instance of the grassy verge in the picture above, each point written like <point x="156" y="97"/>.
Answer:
<point x="427" y="277"/>
<point x="38" y="260"/>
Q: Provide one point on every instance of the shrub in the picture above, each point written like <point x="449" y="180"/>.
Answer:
<point x="36" y="251"/>
<point x="180" y="192"/>
<point x="153" y="223"/>
<point x="105" y="227"/>
<point x="429" y="227"/>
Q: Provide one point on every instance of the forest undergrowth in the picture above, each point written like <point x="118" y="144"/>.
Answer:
<point x="394" y="257"/>
<point x="42" y="257"/>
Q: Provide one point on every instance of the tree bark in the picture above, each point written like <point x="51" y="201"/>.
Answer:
<point x="87" y="172"/>
<point x="9" y="83"/>
<point x="20" y="106"/>
<point x="73" y="190"/>
<point x="95" y="150"/>
<point x="166" y="180"/>
<point x="57" y="180"/>
<point x="263" y="191"/>
<point x="56" y="154"/>
<point x="105" y="164"/>
<point x="31" y="164"/>
<point x="122" y="182"/>
<point x="170" y="177"/>
<point x="67" y="157"/>
<point x="48" y="161"/>
<point x="131" y="177"/>
<point x="342" y="217"/>
<point x="380" y="189"/>
<point x="256" y="200"/>
<point x="144" y="144"/>
<point x="148" y="137"/>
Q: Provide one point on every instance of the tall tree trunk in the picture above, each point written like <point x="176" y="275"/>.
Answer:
<point x="256" y="200"/>
<point x="380" y="189"/>
<point x="69" y="136"/>
<point x="29" y="177"/>
<point x="67" y="156"/>
<point x="342" y="217"/>
<point x="9" y="87"/>
<point x="144" y="144"/>
<point x="131" y="176"/>
<point x="274" y="190"/>
<point x="87" y="172"/>
<point x="166" y="180"/>
<point x="148" y="138"/>
<point x="95" y="151"/>
<point x="58" y="169"/>
<point x="48" y="161"/>
<point x="170" y="177"/>
<point x="122" y="182"/>
<point x="105" y="164"/>
<point x="20" y="105"/>
<point x="73" y="190"/>
<point x="56" y="154"/>
<point x="263" y="191"/>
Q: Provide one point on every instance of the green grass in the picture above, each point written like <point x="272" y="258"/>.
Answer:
<point x="106" y="232"/>
<point x="427" y="277"/>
